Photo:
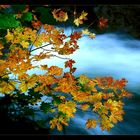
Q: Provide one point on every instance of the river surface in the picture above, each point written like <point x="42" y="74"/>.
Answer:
<point x="111" y="54"/>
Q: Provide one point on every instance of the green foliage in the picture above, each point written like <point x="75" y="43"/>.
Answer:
<point x="45" y="107"/>
<point x="56" y="100"/>
<point x="8" y="21"/>
<point x="18" y="8"/>
<point x="28" y="111"/>
<point x="3" y="33"/>
<point x="46" y="15"/>
<point x="41" y="123"/>
<point x="27" y="16"/>
<point x="34" y="94"/>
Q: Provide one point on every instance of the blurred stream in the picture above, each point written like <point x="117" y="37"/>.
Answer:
<point x="114" y="54"/>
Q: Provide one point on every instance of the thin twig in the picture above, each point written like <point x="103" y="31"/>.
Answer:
<point x="35" y="39"/>
<point x="16" y="80"/>
<point x="40" y="47"/>
<point x="91" y="24"/>
<point x="59" y="56"/>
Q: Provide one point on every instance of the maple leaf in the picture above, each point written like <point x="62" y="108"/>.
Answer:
<point x="60" y="15"/>
<point x="75" y="35"/>
<point x="59" y="127"/>
<point x="91" y="123"/>
<point x="69" y="63"/>
<point x="92" y="35"/>
<point x="83" y="16"/>
<point x="54" y="70"/>
<point x="23" y="87"/>
<point x="97" y="105"/>
<point x="28" y="83"/>
<point x="9" y="35"/>
<point x="48" y="28"/>
<point x="7" y="87"/>
<point x="106" y="125"/>
<point x="85" y="31"/>
<point x="67" y="108"/>
<point x="24" y="44"/>
<point x="63" y="120"/>
<point x="80" y="96"/>
<point x="1" y="47"/>
<point x="78" y="21"/>
<point x="85" y="107"/>
<point x="113" y="118"/>
<point x="45" y="37"/>
<point x="44" y="67"/>
<point x="83" y="79"/>
<point x="53" y="123"/>
<point x="41" y="56"/>
<point x="103" y="23"/>
<point x="36" y="24"/>
<point x="125" y="93"/>
<point x="120" y="83"/>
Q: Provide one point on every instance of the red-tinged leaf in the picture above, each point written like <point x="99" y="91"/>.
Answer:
<point x="36" y="24"/>
<point x="60" y="15"/>
<point x="120" y="83"/>
<point x="72" y="70"/>
<point x="69" y="63"/>
<point x="103" y="23"/>
<point x="76" y="35"/>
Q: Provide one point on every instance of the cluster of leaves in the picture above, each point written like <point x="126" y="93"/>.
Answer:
<point x="64" y="92"/>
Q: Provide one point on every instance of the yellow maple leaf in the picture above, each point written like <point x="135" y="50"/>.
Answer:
<point x="53" y="123"/>
<point x="7" y="87"/>
<point x="78" y="21"/>
<point x="59" y="127"/>
<point x="83" y="79"/>
<point x="57" y="122"/>
<point x="44" y="67"/>
<point x="60" y="15"/>
<point x="85" y="31"/>
<point x="54" y="70"/>
<point x="106" y="124"/>
<point x="9" y="36"/>
<point x="92" y="35"/>
<point x="67" y="108"/>
<point x="24" y="44"/>
<point x="83" y="16"/>
<point x="113" y="119"/>
<point x="85" y="107"/>
<point x="23" y="86"/>
<point x="28" y="83"/>
<point x="91" y="123"/>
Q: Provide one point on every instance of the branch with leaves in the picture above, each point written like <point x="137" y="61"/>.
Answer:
<point x="64" y="92"/>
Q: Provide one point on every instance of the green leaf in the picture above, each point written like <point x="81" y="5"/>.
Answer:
<point x="18" y="8"/>
<point x="62" y="114"/>
<point x="3" y="32"/>
<point x="45" y="107"/>
<point x="41" y="123"/>
<point x="34" y="94"/>
<point x="27" y="16"/>
<point x="8" y="21"/>
<point x="46" y="15"/>
<point x="56" y="100"/>
<point x="28" y="111"/>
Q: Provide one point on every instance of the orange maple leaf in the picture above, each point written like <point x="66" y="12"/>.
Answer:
<point x="76" y="35"/>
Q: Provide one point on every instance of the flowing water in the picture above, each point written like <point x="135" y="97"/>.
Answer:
<point x="112" y="54"/>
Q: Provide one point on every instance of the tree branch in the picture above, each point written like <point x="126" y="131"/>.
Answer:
<point x="40" y="47"/>
<point x="35" y="39"/>
<point x="59" y="57"/>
